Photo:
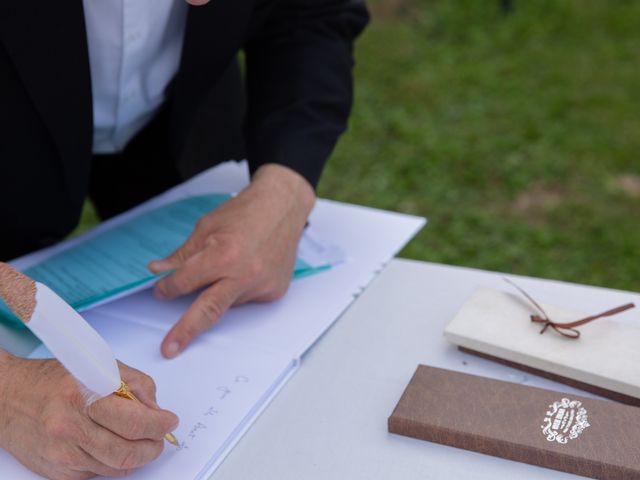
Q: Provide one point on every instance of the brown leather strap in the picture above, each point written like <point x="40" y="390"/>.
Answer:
<point x="566" y="329"/>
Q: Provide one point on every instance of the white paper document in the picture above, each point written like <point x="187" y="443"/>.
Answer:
<point x="221" y="383"/>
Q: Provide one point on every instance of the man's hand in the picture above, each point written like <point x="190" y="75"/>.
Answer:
<point x="243" y="251"/>
<point x="46" y="425"/>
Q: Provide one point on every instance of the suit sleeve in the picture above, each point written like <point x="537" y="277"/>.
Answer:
<point x="300" y="83"/>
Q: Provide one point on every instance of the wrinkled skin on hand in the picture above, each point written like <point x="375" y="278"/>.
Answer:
<point x="46" y="424"/>
<point x="243" y="251"/>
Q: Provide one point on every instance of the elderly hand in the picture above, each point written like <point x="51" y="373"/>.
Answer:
<point x="46" y="425"/>
<point x="243" y="251"/>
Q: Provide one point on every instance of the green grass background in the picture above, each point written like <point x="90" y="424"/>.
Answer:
<point x="516" y="134"/>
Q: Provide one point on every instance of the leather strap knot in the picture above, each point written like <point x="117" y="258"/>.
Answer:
<point x="567" y="329"/>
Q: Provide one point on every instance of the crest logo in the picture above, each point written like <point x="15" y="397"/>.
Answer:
<point x="565" y="420"/>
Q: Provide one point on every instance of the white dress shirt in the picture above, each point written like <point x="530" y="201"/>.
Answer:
<point x="134" y="51"/>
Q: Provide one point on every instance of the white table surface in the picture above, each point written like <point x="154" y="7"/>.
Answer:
<point x="330" y="420"/>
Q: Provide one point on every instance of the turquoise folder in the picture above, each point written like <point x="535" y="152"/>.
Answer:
<point x="115" y="261"/>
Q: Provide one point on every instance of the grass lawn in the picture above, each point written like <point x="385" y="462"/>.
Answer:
<point x="517" y="135"/>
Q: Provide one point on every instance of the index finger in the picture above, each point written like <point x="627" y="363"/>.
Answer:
<point x="132" y="420"/>
<point x="201" y="315"/>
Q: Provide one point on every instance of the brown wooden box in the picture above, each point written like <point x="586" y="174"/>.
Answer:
<point x="594" y="438"/>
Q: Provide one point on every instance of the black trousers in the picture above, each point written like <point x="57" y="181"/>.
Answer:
<point x="144" y="169"/>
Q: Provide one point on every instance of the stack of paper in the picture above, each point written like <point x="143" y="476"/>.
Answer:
<point x="227" y="377"/>
<point x="114" y="262"/>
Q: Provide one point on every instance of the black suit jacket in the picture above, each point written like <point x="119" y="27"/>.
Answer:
<point x="298" y="86"/>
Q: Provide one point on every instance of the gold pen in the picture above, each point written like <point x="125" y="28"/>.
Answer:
<point x="124" y="392"/>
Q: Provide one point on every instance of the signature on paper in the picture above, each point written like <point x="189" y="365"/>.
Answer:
<point x="222" y="392"/>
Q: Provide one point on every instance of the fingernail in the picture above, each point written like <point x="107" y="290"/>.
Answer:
<point x="173" y="349"/>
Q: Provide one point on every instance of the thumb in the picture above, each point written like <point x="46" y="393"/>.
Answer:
<point x="205" y="312"/>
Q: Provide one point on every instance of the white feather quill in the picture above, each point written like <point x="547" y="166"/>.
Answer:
<point x="78" y="347"/>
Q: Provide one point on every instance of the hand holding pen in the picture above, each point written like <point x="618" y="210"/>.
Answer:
<point x="45" y="423"/>
<point x="67" y="418"/>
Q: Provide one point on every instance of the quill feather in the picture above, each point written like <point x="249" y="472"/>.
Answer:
<point x="80" y="349"/>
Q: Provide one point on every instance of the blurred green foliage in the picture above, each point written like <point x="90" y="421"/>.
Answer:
<point x="516" y="134"/>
